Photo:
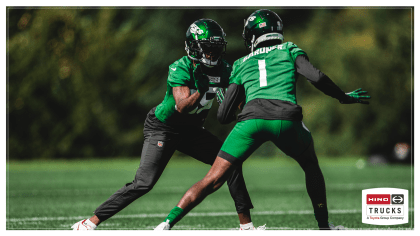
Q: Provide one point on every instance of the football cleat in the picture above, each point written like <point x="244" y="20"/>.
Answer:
<point x="338" y="227"/>
<point x="82" y="225"/>
<point x="253" y="228"/>
<point x="163" y="226"/>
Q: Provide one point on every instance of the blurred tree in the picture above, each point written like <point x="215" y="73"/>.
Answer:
<point x="81" y="80"/>
<point x="368" y="48"/>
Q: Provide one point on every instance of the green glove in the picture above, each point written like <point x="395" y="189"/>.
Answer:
<point x="220" y="95"/>
<point x="201" y="81"/>
<point x="355" y="97"/>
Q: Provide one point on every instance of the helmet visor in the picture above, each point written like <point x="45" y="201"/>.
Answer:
<point x="213" y="49"/>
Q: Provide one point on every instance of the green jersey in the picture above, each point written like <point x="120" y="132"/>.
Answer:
<point x="268" y="73"/>
<point x="181" y="74"/>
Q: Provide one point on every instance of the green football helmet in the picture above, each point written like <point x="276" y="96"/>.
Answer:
<point x="205" y="37"/>
<point x="262" y="25"/>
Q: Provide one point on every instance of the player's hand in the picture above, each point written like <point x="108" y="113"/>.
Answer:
<point x="201" y="81"/>
<point x="220" y="95"/>
<point x="355" y="97"/>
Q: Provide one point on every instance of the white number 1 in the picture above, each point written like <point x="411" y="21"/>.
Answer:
<point x="263" y="73"/>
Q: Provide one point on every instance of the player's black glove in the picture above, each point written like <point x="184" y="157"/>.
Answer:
<point x="201" y="81"/>
<point x="355" y="97"/>
<point x="220" y="95"/>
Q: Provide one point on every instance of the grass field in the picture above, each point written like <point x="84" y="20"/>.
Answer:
<point x="68" y="191"/>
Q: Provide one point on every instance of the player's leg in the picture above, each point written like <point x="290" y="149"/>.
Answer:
<point x="220" y="171"/>
<point x="157" y="150"/>
<point x="315" y="185"/>
<point x="158" y="147"/>
<point x="244" y="139"/>
<point x="295" y="140"/>
<point x="218" y="174"/>
<point x="240" y="143"/>
<point x="204" y="146"/>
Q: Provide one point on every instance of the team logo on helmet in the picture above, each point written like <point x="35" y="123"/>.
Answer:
<point x="251" y="18"/>
<point x="195" y="29"/>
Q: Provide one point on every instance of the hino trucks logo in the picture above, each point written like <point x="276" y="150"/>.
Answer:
<point x="385" y="206"/>
<point x="398" y="199"/>
<point x="378" y="199"/>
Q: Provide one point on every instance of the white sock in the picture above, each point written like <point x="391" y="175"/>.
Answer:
<point x="250" y="225"/>
<point x="88" y="222"/>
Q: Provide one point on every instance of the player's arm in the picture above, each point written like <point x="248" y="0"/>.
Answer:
<point x="326" y="85"/>
<point x="220" y="96"/>
<point x="186" y="102"/>
<point x="233" y="97"/>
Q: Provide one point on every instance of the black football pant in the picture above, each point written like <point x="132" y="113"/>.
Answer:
<point x="158" y="148"/>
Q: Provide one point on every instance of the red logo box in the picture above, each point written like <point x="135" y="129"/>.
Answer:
<point x="378" y="199"/>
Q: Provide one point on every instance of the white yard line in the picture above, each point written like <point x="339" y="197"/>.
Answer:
<point x="193" y="214"/>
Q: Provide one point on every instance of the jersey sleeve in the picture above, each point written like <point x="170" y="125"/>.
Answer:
<point x="295" y="51"/>
<point x="233" y="97"/>
<point x="178" y="75"/>
<point x="318" y="79"/>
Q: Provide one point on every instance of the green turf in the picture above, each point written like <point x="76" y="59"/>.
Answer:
<point x="68" y="191"/>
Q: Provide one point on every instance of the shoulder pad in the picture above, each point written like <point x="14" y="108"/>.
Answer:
<point x="290" y="45"/>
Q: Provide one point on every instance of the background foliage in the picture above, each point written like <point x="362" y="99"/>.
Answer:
<point x="81" y="80"/>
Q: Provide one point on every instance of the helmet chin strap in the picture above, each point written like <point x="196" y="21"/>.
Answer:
<point x="252" y="43"/>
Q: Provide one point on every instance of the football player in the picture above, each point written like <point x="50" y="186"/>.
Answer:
<point x="177" y="124"/>
<point x="266" y="78"/>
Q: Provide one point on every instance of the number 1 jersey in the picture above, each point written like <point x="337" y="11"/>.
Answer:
<point x="268" y="72"/>
<point x="269" y="76"/>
